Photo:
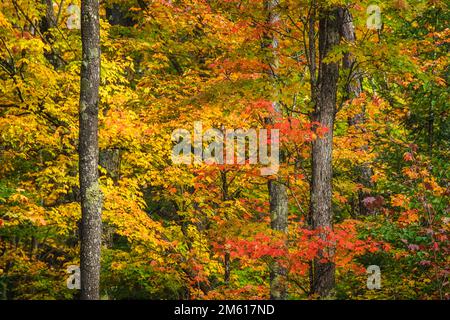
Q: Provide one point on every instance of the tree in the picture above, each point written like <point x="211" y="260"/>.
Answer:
<point x="91" y="196"/>
<point x="325" y="91"/>
<point x="212" y="230"/>
<point x="278" y="197"/>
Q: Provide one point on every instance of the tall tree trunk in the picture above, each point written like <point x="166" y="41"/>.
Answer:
<point x="91" y="196"/>
<point x="277" y="189"/>
<point x="323" y="277"/>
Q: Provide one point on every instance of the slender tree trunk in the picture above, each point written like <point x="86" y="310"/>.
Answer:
<point x="277" y="190"/>
<point x="227" y="256"/>
<point x="227" y="265"/>
<point x="347" y="32"/>
<point x="91" y="196"/>
<point x="279" y="221"/>
<point x="323" y="273"/>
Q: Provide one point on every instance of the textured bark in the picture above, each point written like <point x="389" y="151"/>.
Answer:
<point x="347" y="32"/>
<point x="91" y="196"/>
<point x="279" y="221"/>
<point x="277" y="190"/>
<point x="323" y="277"/>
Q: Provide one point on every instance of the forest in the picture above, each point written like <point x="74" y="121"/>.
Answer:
<point x="224" y="150"/>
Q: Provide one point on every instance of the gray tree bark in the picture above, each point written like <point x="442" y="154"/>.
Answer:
<point x="323" y="273"/>
<point x="279" y="221"/>
<point x="277" y="189"/>
<point x="91" y="196"/>
<point x="347" y="32"/>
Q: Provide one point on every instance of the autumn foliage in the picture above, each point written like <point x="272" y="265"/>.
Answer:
<point x="173" y="231"/>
